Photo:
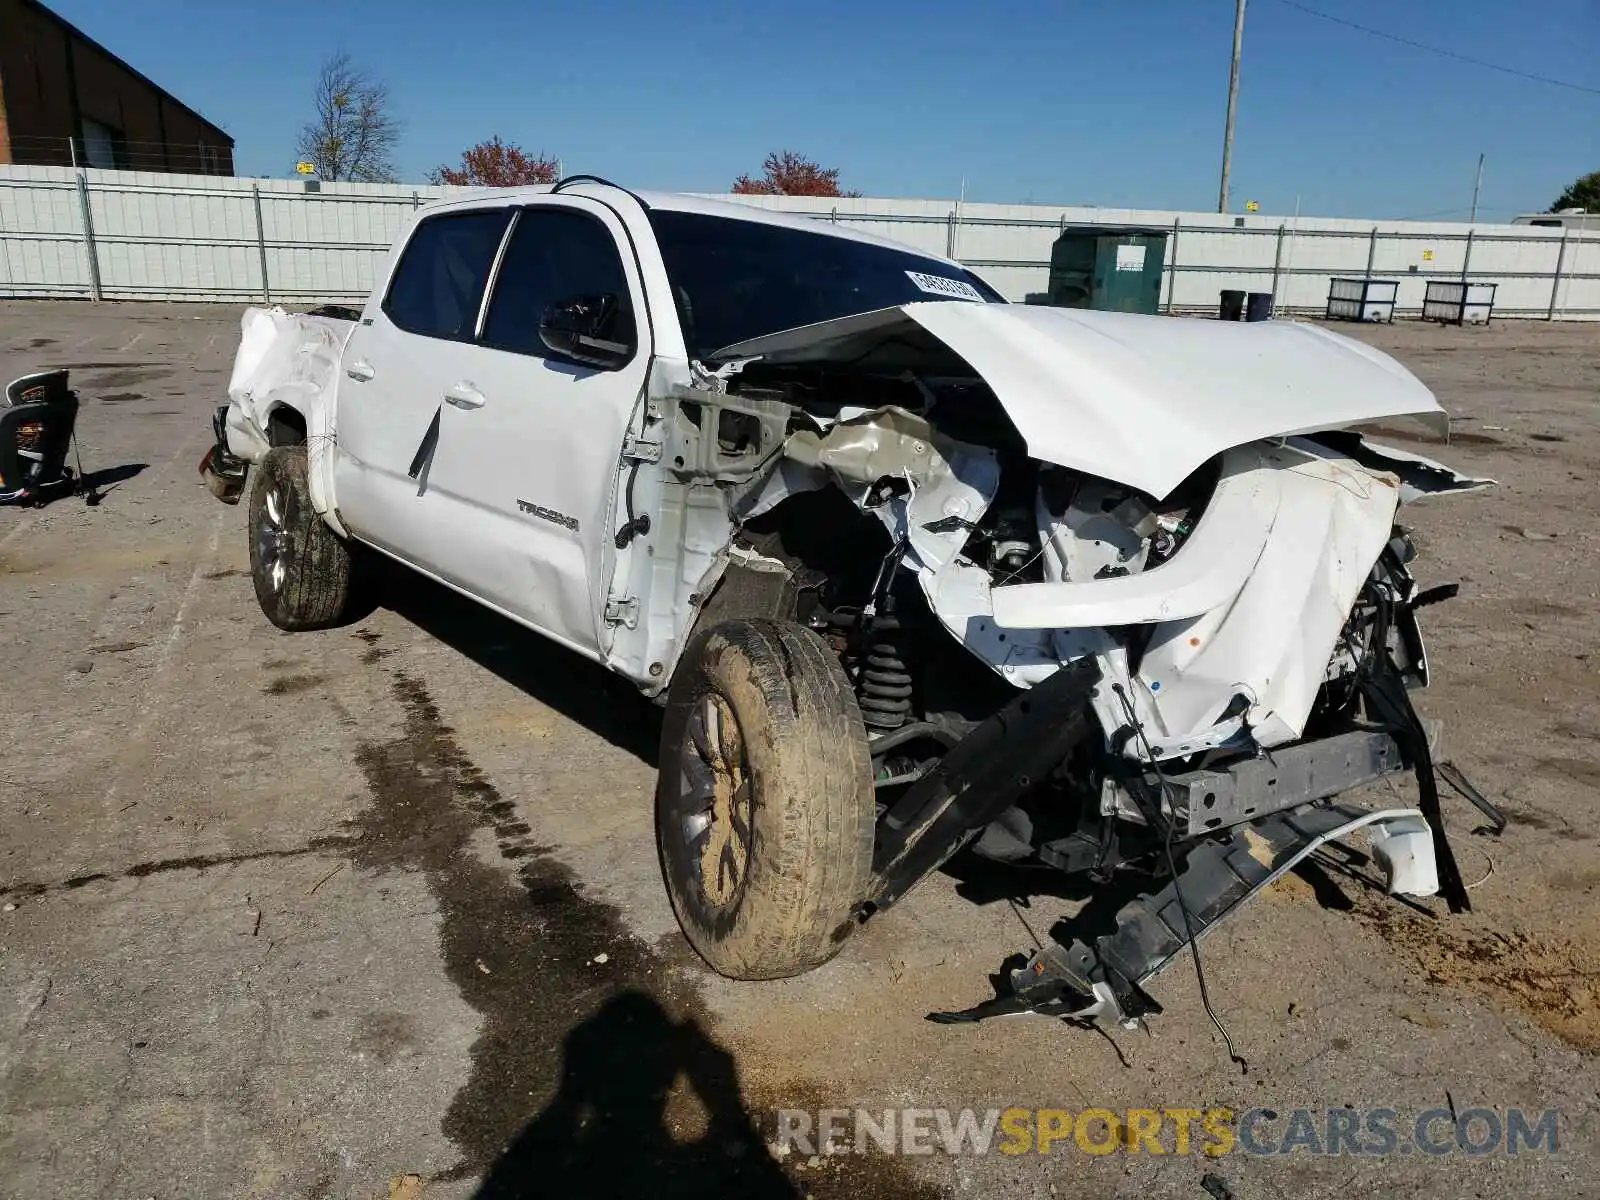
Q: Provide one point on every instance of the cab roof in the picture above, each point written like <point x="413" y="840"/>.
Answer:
<point x="687" y="203"/>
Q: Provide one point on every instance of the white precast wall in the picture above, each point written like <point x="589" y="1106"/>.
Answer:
<point x="204" y="237"/>
<point x="1294" y="258"/>
<point x="195" y="237"/>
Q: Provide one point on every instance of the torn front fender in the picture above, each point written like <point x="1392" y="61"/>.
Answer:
<point x="1214" y="564"/>
<point x="1419" y="477"/>
<point x="1245" y="615"/>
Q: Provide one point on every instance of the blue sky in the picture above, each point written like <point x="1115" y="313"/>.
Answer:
<point x="1113" y="104"/>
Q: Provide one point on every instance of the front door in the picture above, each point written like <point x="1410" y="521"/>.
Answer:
<point x="412" y="345"/>
<point x="528" y="456"/>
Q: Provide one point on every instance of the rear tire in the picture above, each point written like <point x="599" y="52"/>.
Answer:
<point x="305" y="575"/>
<point x="764" y="801"/>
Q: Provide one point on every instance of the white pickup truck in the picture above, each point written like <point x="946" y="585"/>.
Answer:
<point x="912" y="569"/>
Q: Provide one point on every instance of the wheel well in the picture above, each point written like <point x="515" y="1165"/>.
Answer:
<point x="286" y="427"/>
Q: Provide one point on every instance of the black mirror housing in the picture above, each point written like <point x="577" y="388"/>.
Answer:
<point x="592" y="330"/>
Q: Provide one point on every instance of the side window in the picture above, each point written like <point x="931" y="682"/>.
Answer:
<point x="555" y="254"/>
<point x="438" y="286"/>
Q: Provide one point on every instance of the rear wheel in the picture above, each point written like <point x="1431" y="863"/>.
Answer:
<point x="764" y="803"/>
<point x="305" y="575"/>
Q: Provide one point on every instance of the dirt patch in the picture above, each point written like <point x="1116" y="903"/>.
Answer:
<point x="1534" y="817"/>
<point x="1557" y="983"/>
<point x="1574" y="881"/>
<point x="1571" y="729"/>
<point x="289" y="685"/>
<point x="121" y="397"/>
<point x="595" y="1071"/>
<point x="1554" y="980"/>
<point x="386" y="1036"/>
<point x="163" y="866"/>
<point x="1540" y="608"/>
<point x="231" y="573"/>
<point x="117" y="647"/>
<point x="1576" y="769"/>
<point x="127" y="378"/>
<point x="374" y="653"/>
<point x="106" y="366"/>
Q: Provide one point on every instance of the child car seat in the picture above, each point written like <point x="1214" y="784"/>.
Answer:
<point x="35" y="429"/>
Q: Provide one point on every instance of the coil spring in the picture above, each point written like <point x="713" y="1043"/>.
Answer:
<point x="883" y="685"/>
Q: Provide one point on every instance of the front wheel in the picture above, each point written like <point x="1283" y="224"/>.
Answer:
<point x="764" y="802"/>
<point x="306" y="576"/>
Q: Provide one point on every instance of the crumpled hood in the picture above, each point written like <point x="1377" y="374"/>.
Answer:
<point x="1140" y="400"/>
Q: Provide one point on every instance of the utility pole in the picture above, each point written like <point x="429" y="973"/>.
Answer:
<point x="1477" y="185"/>
<point x="1233" y="104"/>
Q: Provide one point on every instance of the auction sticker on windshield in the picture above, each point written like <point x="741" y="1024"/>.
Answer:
<point x="939" y="285"/>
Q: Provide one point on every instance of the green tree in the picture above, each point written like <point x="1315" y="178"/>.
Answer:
<point x="1583" y="193"/>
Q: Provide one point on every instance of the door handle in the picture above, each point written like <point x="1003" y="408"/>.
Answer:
<point x="464" y="395"/>
<point x="360" y="370"/>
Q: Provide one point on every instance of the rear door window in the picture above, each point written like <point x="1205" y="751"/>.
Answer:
<point x="438" y="287"/>
<point x="554" y="254"/>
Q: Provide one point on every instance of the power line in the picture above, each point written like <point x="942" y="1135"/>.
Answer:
<point x="1443" y="53"/>
<point x="1446" y="212"/>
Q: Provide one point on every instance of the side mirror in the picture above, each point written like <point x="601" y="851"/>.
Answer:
<point x="588" y="329"/>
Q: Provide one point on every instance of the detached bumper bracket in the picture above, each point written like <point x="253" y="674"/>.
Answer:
<point x="1105" y="974"/>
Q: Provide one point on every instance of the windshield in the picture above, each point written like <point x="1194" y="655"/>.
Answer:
<point x="734" y="280"/>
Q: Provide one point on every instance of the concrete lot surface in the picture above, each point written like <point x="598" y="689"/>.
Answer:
<point x="376" y="911"/>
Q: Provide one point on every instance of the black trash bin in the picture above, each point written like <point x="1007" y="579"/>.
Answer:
<point x="1258" y="307"/>
<point x="1232" y="305"/>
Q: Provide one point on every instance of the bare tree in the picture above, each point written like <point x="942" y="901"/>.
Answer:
<point x="355" y="132"/>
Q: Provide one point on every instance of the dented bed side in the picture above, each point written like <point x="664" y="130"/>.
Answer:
<point x="288" y="361"/>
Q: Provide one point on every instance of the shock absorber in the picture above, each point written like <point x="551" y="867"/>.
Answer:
<point x="883" y="682"/>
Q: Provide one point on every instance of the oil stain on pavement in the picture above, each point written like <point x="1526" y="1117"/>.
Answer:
<point x="594" y="1073"/>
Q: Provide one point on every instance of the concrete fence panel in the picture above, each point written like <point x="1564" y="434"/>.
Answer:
<point x="138" y="235"/>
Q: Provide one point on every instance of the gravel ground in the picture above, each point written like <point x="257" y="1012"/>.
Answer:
<point x="308" y="915"/>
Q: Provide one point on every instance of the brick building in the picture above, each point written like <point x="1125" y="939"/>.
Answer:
<point x="65" y="98"/>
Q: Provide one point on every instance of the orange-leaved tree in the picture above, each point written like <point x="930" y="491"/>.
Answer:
<point x="786" y="173"/>
<point x="497" y="164"/>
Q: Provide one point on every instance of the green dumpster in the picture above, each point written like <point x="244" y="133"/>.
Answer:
<point x="1111" y="268"/>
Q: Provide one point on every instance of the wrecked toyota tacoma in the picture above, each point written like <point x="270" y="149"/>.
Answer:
<point x="912" y="570"/>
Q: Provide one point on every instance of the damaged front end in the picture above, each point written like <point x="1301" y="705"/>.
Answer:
<point x="1118" y="595"/>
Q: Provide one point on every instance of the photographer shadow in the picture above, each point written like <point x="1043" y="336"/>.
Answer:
<point x="609" y="1129"/>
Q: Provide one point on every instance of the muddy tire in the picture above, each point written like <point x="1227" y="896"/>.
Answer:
<point x="764" y="801"/>
<point x="306" y="576"/>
